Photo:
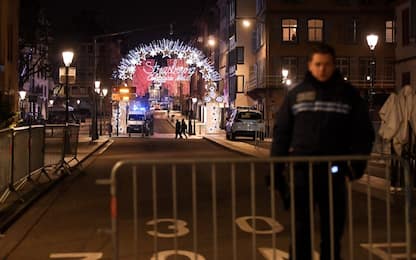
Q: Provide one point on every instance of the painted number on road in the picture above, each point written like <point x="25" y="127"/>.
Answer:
<point x="377" y="249"/>
<point x="279" y="254"/>
<point x="163" y="255"/>
<point x="81" y="256"/>
<point x="179" y="229"/>
<point x="243" y="224"/>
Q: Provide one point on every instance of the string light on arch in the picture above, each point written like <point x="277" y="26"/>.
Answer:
<point x="166" y="48"/>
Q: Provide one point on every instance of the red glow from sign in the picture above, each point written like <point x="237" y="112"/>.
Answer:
<point x="175" y="77"/>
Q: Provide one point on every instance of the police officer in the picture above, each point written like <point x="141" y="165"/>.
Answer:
<point x="323" y="115"/>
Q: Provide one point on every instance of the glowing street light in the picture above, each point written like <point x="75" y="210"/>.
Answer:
<point x="246" y="23"/>
<point x="372" y="40"/>
<point x="285" y="73"/>
<point x="22" y="96"/>
<point x="212" y="42"/>
<point x="67" y="57"/>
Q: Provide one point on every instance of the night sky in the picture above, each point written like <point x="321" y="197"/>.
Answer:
<point x="86" y="17"/>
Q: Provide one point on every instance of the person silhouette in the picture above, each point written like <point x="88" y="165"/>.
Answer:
<point x="178" y="129"/>
<point x="183" y="128"/>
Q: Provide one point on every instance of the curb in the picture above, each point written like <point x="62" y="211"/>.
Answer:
<point x="360" y="185"/>
<point x="227" y="147"/>
<point x="232" y="147"/>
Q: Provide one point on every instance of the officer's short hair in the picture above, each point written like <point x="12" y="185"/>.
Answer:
<point x="322" y="48"/>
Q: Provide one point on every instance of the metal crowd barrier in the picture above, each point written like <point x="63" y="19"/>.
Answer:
<point x="222" y="209"/>
<point x="61" y="145"/>
<point x="29" y="150"/>
<point x="6" y="140"/>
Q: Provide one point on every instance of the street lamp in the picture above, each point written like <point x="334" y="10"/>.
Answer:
<point x="94" y="134"/>
<point x="67" y="57"/>
<point x="102" y="93"/>
<point x="22" y="96"/>
<point x="246" y="23"/>
<point x="372" y="40"/>
<point x="285" y="73"/>
<point x="194" y="100"/>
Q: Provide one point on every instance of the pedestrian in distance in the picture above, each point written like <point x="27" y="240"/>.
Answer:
<point x="322" y="116"/>
<point x="178" y="129"/>
<point x="183" y="128"/>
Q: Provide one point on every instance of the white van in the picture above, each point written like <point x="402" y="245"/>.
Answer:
<point x="245" y="122"/>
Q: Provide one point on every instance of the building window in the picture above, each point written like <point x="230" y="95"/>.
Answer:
<point x="405" y="26"/>
<point x="259" y="6"/>
<point x="240" y="55"/>
<point x="390" y="31"/>
<point x="343" y="65"/>
<point x="315" y="30"/>
<point x="289" y="30"/>
<point x="364" y="68"/>
<point x="406" y="78"/>
<point x="232" y="57"/>
<point x="240" y="83"/>
<point x="351" y="32"/>
<point x="232" y="87"/>
<point x="231" y="8"/>
<point x="290" y="64"/>
<point x="389" y="69"/>
<point x="259" y="35"/>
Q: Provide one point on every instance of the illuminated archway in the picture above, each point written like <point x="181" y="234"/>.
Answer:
<point x="194" y="60"/>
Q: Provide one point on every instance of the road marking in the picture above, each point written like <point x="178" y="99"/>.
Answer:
<point x="81" y="256"/>
<point x="165" y="254"/>
<point x="279" y="254"/>
<point x="377" y="249"/>
<point x="179" y="229"/>
<point x="243" y="224"/>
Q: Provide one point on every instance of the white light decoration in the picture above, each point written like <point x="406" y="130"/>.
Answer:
<point x="167" y="48"/>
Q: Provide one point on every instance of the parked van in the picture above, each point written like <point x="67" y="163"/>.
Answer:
<point x="245" y="122"/>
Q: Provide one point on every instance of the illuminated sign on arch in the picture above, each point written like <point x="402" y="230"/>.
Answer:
<point x="184" y="61"/>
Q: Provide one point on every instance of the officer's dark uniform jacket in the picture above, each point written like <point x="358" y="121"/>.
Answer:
<point x="323" y="118"/>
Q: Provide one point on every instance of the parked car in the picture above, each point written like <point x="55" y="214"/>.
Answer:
<point x="245" y="122"/>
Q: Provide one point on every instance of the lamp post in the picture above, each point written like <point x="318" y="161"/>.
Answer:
<point x="67" y="57"/>
<point x="194" y="100"/>
<point x="285" y="73"/>
<point x="50" y="107"/>
<point x="94" y="134"/>
<point x="372" y="40"/>
<point x="103" y="93"/>
<point x="22" y="96"/>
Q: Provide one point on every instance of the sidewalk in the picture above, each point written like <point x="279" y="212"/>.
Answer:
<point x="377" y="184"/>
<point x="18" y="202"/>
